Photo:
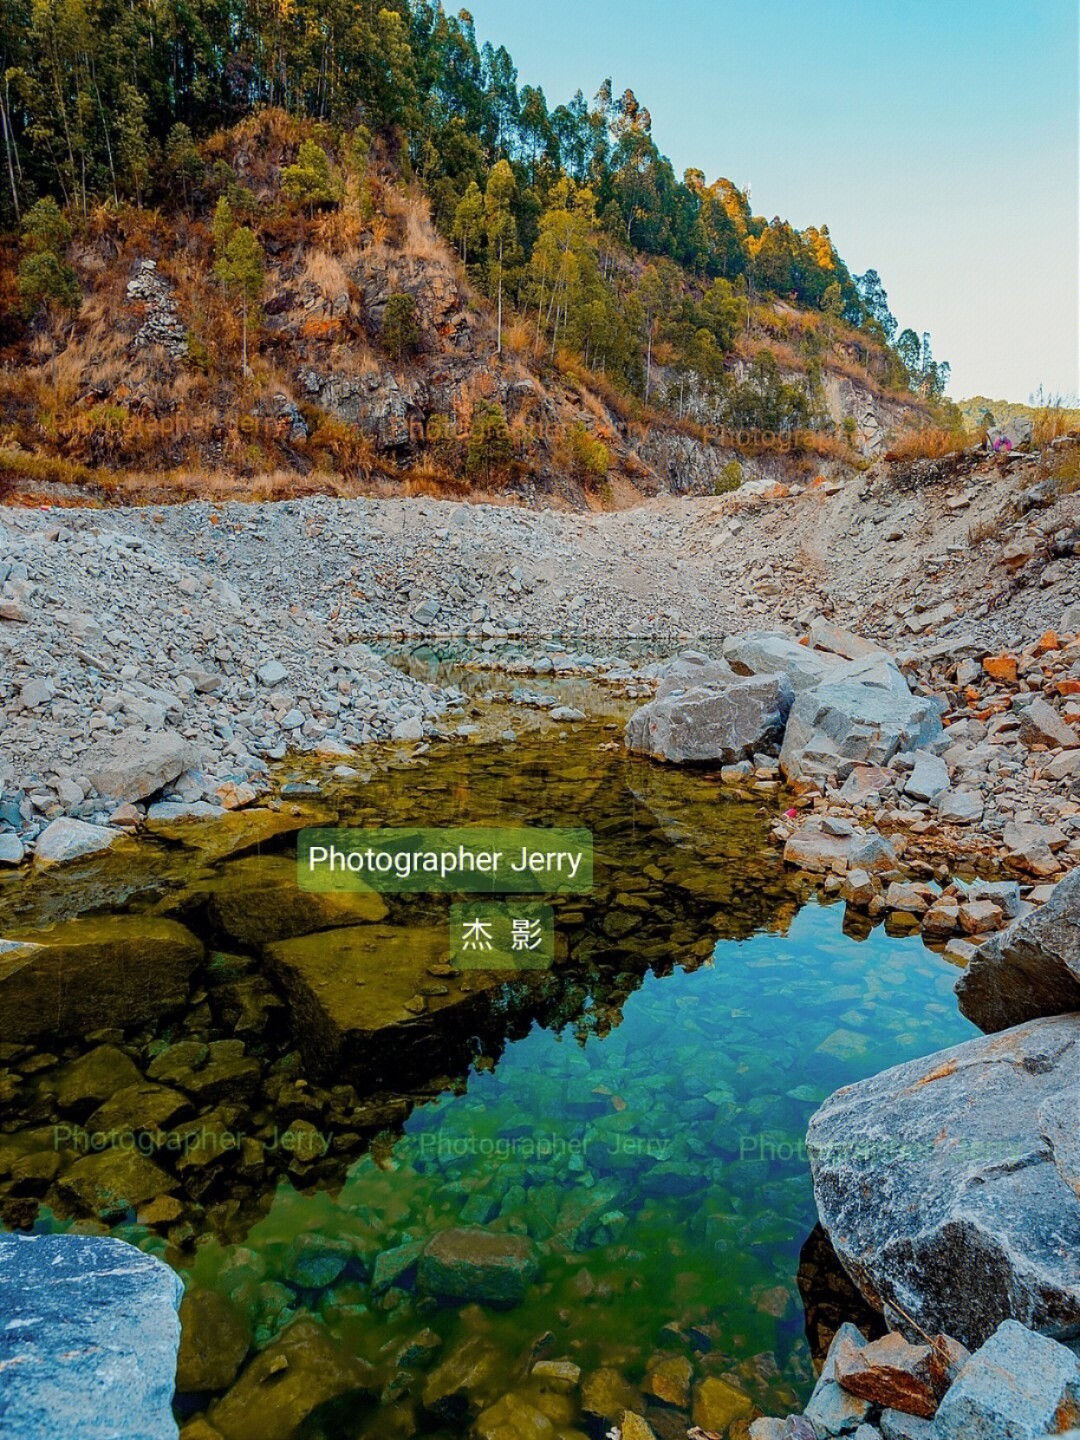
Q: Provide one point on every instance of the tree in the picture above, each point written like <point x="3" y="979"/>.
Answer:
<point x="469" y="219"/>
<point x="500" y="226"/>
<point x="182" y="159"/>
<point x="401" y="328"/>
<point x="489" y="444"/>
<point x="309" y="182"/>
<point x="45" y="278"/>
<point x="240" y="271"/>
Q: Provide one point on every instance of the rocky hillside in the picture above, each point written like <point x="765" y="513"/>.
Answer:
<point x="375" y="366"/>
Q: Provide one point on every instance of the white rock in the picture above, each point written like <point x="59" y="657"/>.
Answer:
<point x="67" y="839"/>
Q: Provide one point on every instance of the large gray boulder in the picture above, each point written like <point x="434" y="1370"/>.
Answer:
<point x="88" y="1339"/>
<point x="132" y="765"/>
<point x="766" y="652"/>
<point x="1030" y="969"/>
<point x="725" y="724"/>
<point x="950" y="1186"/>
<point x="1019" y="1385"/>
<point x="864" y="715"/>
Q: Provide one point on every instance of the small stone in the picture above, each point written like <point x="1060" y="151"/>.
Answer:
<point x="271" y="673"/>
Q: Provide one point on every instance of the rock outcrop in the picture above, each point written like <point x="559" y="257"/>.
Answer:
<point x="950" y="1185"/>
<point x="727" y="723"/>
<point x="1029" y="970"/>
<point x="88" y="1339"/>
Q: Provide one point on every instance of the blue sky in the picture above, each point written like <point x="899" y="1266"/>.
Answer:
<point x="936" y="138"/>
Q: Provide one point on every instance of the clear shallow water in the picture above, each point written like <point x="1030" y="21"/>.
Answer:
<point x="636" y="1115"/>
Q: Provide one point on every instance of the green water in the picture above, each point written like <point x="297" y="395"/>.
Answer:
<point x="635" y="1114"/>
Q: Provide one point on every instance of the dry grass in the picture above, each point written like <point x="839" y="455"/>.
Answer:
<point x="932" y="442"/>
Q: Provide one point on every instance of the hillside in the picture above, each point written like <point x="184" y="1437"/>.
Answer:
<point x="414" y="277"/>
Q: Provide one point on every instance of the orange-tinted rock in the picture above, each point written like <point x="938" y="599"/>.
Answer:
<point x="890" y="1372"/>
<point x="1047" y="641"/>
<point x="1001" y="667"/>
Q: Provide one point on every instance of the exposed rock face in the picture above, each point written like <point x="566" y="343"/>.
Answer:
<point x="133" y="765"/>
<point x="88" y="974"/>
<point x="1030" y="969"/>
<point x="951" y="1185"/>
<point x="728" y="723"/>
<point x="88" y="1339"/>
<point x="865" y="716"/>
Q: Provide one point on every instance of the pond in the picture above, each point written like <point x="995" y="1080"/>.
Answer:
<point x="410" y="1201"/>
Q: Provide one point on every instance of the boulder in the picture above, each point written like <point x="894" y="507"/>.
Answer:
<point x="287" y="1382"/>
<point x="818" y="850"/>
<point x="214" y="1342"/>
<point x="743" y="717"/>
<point x="950" y="1185"/>
<point x="470" y="1264"/>
<point x="66" y="839"/>
<point x="91" y="973"/>
<point x="256" y="900"/>
<point x="929" y="778"/>
<point x="88" y="1339"/>
<point x="1032" y="968"/>
<point x="764" y="652"/>
<point x="864" y="716"/>
<point x="363" y="999"/>
<point x="959" y="807"/>
<point x="1040" y="724"/>
<point x="692" y="672"/>
<point x="1019" y="1386"/>
<point x="134" y="765"/>
<point x="838" y="641"/>
<point x="108" y="1184"/>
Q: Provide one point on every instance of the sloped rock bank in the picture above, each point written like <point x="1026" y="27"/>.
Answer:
<point x="88" y="1339"/>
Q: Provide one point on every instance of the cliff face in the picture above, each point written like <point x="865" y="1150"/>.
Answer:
<point x="140" y="396"/>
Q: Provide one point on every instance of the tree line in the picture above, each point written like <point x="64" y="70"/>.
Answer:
<point x="107" y="100"/>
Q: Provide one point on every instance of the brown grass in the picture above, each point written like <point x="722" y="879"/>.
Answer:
<point x="932" y="442"/>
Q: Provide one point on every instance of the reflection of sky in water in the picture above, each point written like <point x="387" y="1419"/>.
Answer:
<point x="661" y="1165"/>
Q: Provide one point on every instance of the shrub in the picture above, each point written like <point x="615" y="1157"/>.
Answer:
<point x="730" y="478"/>
<point x="489" y="445"/>
<point x="401" y="326"/>
<point x="589" y="458"/>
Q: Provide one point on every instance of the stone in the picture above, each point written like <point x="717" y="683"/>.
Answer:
<point x="453" y="1389"/>
<point x="92" y="973"/>
<point x="692" y="672"/>
<point x="1040" y="724"/>
<point x="108" y="1184"/>
<point x="718" y="1403"/>
<point x="411" y="728"/>
<point x="214" y="1342"/>
<point x="864" y="781"/>
<point x="831" y="1409"/>
<point x="929" y="778"/>
<point x="65" y="840"/>
<point x="12" y="850"/>
<point x="959" y="807"/>
<point x="471" y="1264"/>
<point x="728" y="724"/>
<point x="1029" y="847"/>
<point x="858" y="889"/>
<point x="1029" y="970"/>
<point x="892" y="1373"/>
<point x="1004" y="893"/>
<point x="560" y="1375"/>
<point x="764" y="652"/>
<point x="1001" y="668"/>
<point x="863" y="717"/>
<point x="895" y="1425"/>
<point x="513" y="1418"/>
<point x="909" y="896"/>
<point x="606" y="1393"/>
<point x="942" y="918"/>
<point x="980" y="917"/>
<point x="1019" y="1386"/>
<point x="950" y="1185"/>
<point x="257" y="900"/>
<point x="634" y="1427"/>
<point x="95" y="1076"/>
<point x="133" y="766"/>
<point x="838" y="641"/>
<point x="352" y="993"/>
<point x="271" y="673"/>
<point x="88" y="1339"/>
<point x="303" y="1369"/>
<point x="669" y="1381"/>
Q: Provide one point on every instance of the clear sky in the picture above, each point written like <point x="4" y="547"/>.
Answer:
<point x="936" y="138"/>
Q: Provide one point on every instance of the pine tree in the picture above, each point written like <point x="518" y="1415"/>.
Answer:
<point x="469" y="219"/>
<point x="241" y="273"/>
<point x="500" y="226"/>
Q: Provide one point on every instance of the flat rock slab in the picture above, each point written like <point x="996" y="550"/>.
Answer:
<point x="85" y="975"/>
<point x="88" y="1339"/>
<point x="950" y="1185"/>
<point x="364" y="998"/>
<point x="133" y="765"/>
<point x="1029" y="970"/>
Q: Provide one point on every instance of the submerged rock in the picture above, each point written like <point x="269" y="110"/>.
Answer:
<point x="88" y="974"/>
<point x="1031" y="969"/>
<point x="738" y="719"/>
<point x="214" y="1341"/>
<point x="477" y="1265"/>
<point x="950" y="1185"/>
<point x="287" y="1382"/>
<point x="256" y="900"/>
<point x="88" y="1339"/>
